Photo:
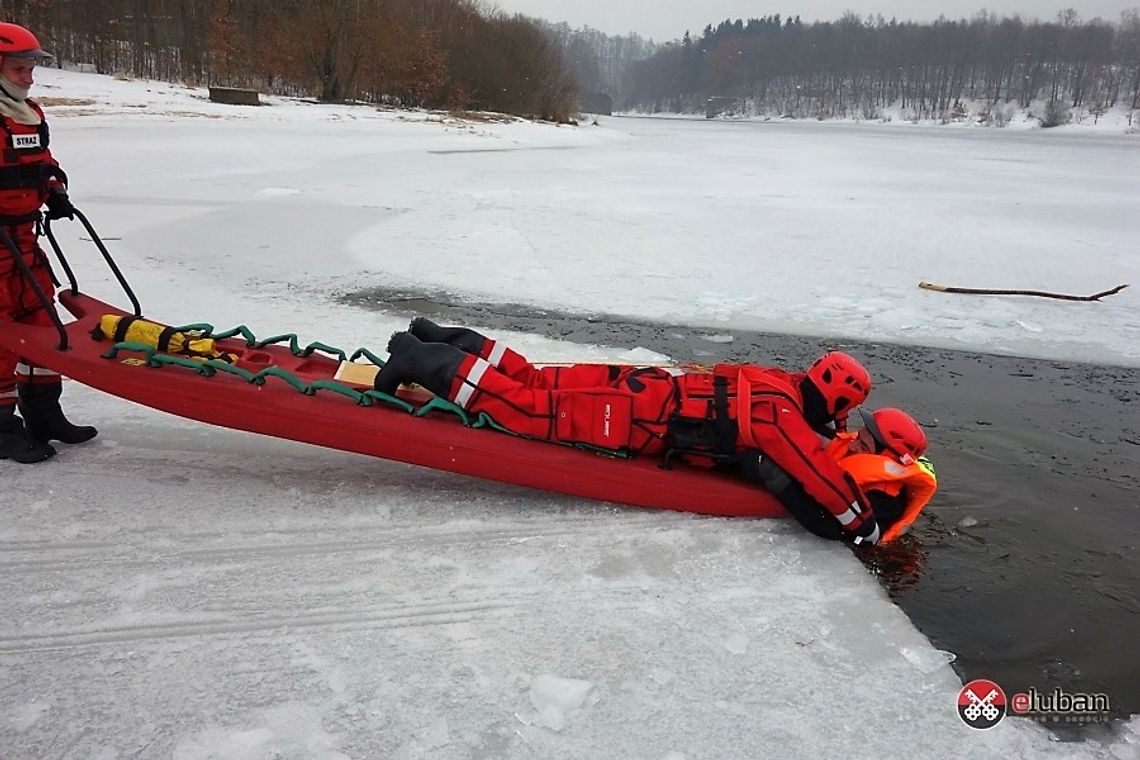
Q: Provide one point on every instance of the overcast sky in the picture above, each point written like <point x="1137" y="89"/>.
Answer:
<point x="664" y="20"/>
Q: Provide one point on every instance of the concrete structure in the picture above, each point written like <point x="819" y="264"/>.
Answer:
<point x="234" y="96"/>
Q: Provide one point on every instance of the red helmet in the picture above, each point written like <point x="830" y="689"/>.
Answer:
<point x="18" y="42"/>
<point x="842" y="381"/>
<point x="896" y="431"/>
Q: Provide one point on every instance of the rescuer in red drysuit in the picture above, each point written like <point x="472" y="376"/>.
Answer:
<point x="648" y="410"/>
<point x="29" y="179"/>
<point x="886" y="457"/>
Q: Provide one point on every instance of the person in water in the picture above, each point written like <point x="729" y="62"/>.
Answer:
<point x="745" y="417"/>
<point x="886" y="457"/>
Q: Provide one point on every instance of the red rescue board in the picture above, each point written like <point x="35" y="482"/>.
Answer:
<point x="438" y="441"/>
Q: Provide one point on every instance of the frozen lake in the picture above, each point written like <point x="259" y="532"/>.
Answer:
<point x="173" y="590"/>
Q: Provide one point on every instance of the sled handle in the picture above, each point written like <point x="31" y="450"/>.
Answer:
<point x="26" y="273"/>
<point x="102" y="249"/>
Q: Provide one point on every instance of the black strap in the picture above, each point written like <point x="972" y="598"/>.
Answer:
<point x="21" y="177"/>
<point x="719" y="460"/>
<point x="20" y="219"/>
<point x="724" y="425"/>
<point x="30" y="176"/>
<point x="121" y="328"/>
<point x="164" y="339"/>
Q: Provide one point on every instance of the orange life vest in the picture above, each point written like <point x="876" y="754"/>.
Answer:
<point x="880" y="472"/>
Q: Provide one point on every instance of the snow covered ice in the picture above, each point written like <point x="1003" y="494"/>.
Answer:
<point x="178" y="591"/>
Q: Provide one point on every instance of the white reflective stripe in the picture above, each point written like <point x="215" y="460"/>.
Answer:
<point x="847" y="517"/>
<point x="8" y="394"/>
<point x="24" y="369"/>
<point x="471" y="382"/>
<point x="872" y="539"/>
<point x="497" y="354"/>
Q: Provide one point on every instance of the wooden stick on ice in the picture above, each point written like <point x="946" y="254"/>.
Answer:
<point x="1002" y="292"/>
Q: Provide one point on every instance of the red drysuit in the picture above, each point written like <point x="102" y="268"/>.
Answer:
<point x="648" y="410"/>
<point x="27" y="173"/>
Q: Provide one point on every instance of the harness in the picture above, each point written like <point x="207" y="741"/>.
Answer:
<point x="711" y="437"/>
<point x="717" y="435"/>
<point x="27" y="168"/>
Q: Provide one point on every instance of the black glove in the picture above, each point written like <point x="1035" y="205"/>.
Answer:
<point x="59" y="205"/>
<point x="868" y="533"/>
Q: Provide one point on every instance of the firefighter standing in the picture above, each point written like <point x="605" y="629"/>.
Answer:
<point x="29" y="179"/>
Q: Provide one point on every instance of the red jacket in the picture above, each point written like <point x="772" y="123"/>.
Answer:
<point x="775" y="425"/>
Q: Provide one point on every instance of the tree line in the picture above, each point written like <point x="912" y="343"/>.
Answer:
<point x="854" y="66"/>
<point x="598" y="61"/>
<point x="430" y="53"/>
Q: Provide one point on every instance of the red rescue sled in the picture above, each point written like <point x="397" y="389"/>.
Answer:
<point x="440" y="441"/>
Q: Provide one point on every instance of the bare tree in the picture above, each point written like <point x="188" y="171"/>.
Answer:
<point x="421" y="52"/>
<point x="856" y="66"/>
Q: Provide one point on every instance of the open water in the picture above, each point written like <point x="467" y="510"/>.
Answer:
<point x="1025" y="565"/>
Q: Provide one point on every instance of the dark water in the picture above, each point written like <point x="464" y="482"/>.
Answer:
<point x="1025" y="564"/>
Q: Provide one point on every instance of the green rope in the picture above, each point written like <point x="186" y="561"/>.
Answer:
<point x="141" y="348"/>
<point x="439" y="404"/>
<point x="206" y="330"/>
<point x="371" y="357"/>
<point x="244" y="374"/>
<point x="485" y="420"/>
<point x="602" y="451"/>
<point x="295" y="346"/>
<point x="342" y="389"/>
<point x="241" y="330"/>
<point x="391" y="400"/>
<point x="210" y="367"/>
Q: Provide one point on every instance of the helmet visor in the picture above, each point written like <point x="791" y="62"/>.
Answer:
<point x="36" y="54"/>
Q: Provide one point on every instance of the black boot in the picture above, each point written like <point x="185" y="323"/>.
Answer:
<point x="43" y="417"/>
<point x="460" y="337"/>
<point x="432" y="365"/>
<point x="15" y="443"/>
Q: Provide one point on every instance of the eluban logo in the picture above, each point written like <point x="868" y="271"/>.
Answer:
<point x="1060" y="706"/>
<point x="981" y="704"/>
